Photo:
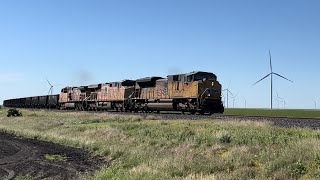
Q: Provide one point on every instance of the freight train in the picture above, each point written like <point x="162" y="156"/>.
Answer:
<point x="195" y="92"/>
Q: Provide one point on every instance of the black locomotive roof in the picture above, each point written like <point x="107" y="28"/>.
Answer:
<point x="197" y="72"/>
<point x="148" y="79"/>
<point x="192" y="73"/>
<point x="128" y="82"/>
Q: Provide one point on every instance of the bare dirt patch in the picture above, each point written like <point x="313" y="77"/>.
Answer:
<point x="27" y="157"/>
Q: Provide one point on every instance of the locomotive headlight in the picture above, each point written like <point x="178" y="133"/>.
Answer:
<point x="212" y="83"/>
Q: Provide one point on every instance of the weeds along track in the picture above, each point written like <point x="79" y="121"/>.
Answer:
<point x="276" y="121"/>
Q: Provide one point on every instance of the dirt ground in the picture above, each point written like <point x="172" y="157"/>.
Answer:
<point x="28" y="157"/>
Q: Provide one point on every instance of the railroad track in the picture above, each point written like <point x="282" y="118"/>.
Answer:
<point x="286" y="122"/>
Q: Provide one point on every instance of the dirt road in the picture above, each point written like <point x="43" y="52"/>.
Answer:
<point x="38" y="159"/>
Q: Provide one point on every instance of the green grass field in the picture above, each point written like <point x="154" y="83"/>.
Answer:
<point x="290" y="113"/>
<point x="144" y="148"/>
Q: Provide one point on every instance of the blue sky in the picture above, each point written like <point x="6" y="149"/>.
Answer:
<point x="85" y="42"/>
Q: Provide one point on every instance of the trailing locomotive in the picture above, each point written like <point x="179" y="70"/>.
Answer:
<point x="195" y="92"/>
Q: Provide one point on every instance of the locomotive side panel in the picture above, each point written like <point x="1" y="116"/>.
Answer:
<point x="69" y="97"/>
<point x="147" y="93"/>
<point x="75" y="95"/>
<point x="102" y="95"/>
<point x="115" y="93"/>
<point x="63" y="97"/>
<point x="178" y="89"/>
<point x="161" y="89"/>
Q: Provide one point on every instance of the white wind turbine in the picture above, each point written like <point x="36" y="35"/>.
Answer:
<point x="284" y="104"/>
<point x="278" y="100"/>
<point x="234" y="98"/>
<point x="271" y="82"/>
<point x="51" y="87"/>
<point x="245" y="103"/>
<point x="315" y="103"/>
<point x="228" y="91"/>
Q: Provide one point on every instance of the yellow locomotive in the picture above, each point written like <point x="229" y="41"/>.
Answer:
<point x="105" y="96"/>
<point x="193" y="92"/>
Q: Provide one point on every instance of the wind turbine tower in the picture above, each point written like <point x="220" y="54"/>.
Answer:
<point x="271" y="78"/>
<point x="228" y="91"/>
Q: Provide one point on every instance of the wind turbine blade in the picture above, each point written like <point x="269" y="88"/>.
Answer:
<point x="262" y="79"/>
<point x="282" y="77"/>
<point x="270" y="61"/>
<point x="229" y="92"/>
<point x="49" y="82"/>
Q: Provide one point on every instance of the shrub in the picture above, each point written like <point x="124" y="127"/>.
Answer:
<point x="14" y="113"/>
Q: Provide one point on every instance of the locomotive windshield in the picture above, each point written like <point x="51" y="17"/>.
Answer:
<point x="204" y="76"/>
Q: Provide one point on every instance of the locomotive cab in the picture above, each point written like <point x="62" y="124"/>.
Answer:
<point x="209" y="92"/>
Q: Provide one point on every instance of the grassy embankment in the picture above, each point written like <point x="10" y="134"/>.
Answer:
<point x="290" y="113"/>
<point x="159" y="149"/>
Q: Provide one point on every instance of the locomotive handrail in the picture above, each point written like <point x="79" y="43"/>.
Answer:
<point x="130" y="96"/>
<point x="201" y="95"/>
<point x="87" y="98"/>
